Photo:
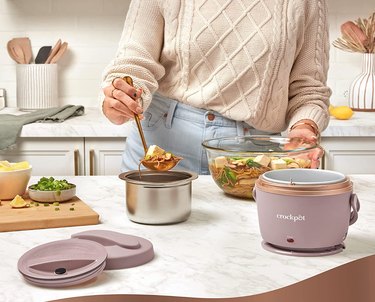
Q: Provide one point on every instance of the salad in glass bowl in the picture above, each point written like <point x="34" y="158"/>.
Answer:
<point x="235" y="163"/>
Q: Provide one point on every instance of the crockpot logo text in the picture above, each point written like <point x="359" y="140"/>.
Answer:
<point x="291" y="217"/>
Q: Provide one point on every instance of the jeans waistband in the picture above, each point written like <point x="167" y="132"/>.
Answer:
<point x="193" y="114"/>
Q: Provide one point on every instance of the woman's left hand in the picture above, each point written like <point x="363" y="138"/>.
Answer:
<point x="304" y="134"/>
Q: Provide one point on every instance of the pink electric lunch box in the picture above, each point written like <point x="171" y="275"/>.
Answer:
<point x="306" y="210"/>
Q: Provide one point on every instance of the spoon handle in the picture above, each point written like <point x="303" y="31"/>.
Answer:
<point x="140" y="130"/>
<point x="129" y="80"/>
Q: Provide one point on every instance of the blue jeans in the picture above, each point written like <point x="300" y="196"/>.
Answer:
<point x="180" y="129"/>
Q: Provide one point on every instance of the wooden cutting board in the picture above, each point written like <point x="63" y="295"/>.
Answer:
<point x="43" y="217"/>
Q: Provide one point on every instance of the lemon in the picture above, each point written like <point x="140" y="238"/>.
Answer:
<point x="342" y="112"/>
<point x="18" y="202"/>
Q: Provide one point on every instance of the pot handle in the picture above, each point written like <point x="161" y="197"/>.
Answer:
<point x="355" y="205"/>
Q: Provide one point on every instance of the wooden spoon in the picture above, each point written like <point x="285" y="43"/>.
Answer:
<point x="25" y="45"/>
<point x="59" y="53"/>
<point x="16" y="56"/>
<point x="54" y="51"/>
<point x="19" y="53"/>
<point x="10" y="51"/>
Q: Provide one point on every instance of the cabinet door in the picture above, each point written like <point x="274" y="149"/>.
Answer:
<point x="103" y="155"/>
<point x="354" y="155"/>
<point x="49" y="156"/>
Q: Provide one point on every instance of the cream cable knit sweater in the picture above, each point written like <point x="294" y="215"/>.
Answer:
<point x="259" y="61"/>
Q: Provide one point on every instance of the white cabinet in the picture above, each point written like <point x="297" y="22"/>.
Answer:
<point x="103" y="156"/>
<point x="49" y="156"/>
<point x="349" y="155"/>
<point x="69" y="156"/>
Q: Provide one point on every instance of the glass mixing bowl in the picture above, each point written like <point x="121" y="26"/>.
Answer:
<point x="235" y="163"/>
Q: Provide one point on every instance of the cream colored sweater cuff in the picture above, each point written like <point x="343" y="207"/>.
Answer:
<point x="312" y="112"/>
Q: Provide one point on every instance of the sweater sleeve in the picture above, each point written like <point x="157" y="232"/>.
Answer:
<point x="308" y="91"/>
<point x="139" y="49"/>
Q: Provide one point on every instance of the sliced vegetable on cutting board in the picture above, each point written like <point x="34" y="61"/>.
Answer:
<point x="18" y="202"/>
<point x="39" y="216"/>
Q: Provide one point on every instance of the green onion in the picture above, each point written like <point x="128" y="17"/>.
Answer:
<point x="51" y="184"/>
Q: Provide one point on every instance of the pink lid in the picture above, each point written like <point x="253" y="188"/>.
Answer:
<point x="63" y="261"/>
<point x="73" y="261"/>
<point x="124" y="251"/>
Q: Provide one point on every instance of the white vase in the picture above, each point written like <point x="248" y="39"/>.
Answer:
<point x="362" y="89"/>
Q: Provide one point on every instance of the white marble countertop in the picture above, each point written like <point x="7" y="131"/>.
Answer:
<point x="215" y="253"/>
<point x="362" y="124"/>
<point x="94" y="124"/>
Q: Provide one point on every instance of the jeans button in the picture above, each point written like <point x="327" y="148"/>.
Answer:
<point x="211" y="116"/>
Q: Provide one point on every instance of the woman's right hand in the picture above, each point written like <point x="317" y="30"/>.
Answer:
<point x="120" y="101"/>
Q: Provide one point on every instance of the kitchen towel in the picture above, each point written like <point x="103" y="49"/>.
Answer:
<point x="11" y="125"/>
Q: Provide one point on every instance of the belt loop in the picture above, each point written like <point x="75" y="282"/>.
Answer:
<point x="240" y="131"/>
<point x="170" y="114"/>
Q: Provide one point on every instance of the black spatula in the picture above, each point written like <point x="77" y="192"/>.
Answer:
<point x="43" y="54"/>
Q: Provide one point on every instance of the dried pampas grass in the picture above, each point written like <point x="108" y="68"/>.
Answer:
<point x="357" y="36"/>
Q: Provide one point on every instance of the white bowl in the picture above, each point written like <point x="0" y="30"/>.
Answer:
<point x="52" y="196"/>
<point x="14" y="183"/>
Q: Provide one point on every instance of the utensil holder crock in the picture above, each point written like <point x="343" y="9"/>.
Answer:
<point x="37" y="86"/>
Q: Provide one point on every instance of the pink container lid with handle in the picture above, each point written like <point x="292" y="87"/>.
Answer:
<point x="124" y="251"/>
<point x="73" y="261"/>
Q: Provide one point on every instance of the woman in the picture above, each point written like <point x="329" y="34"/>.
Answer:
<point x="205" y="69"/>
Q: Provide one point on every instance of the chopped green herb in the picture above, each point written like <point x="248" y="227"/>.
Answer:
<point x="51" y="184"/>
<point x="230" y="176"/>
<point x="57" y="209"/>
<point x="37" y="204"/>
<point x="56" y="203"/>
<point x="235" y="158"/>
<point x="46" y="204"/>
<point x="71" y="209"/>
<point x="250" y="163"/>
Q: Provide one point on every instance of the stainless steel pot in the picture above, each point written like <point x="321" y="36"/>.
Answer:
<point x="157" y="197"/>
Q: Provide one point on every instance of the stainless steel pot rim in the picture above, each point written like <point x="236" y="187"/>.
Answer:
<point x="160" y="178"/>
